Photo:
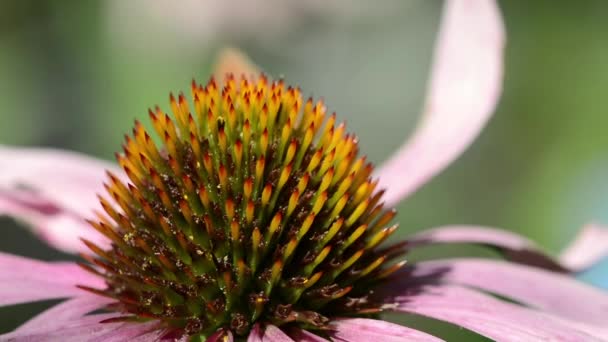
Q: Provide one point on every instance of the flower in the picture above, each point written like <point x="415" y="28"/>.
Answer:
<point x="240" y="174"/>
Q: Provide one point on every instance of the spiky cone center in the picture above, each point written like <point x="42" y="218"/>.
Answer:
<point x="254" y="208"/>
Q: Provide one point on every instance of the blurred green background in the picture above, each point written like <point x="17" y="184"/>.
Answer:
<point x="75" y="74"/>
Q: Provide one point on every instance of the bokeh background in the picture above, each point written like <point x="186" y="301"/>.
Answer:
<point x="75" y="74"/>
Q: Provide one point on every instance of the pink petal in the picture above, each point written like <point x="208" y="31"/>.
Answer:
<point x="59" y="228"/>
<point x="269" y="333"/>
<point x="552" y="292"/>
<point x="463" y="91"/>
<point x="515" y="247"/>
<point x="53" y="191"/>
<point x="60" y="315"/>
<point x="132" y="332"/>
<point x="363" y="329"/>
<point x="83" y="329"/>
<point x="25" y="280"/>
<point x="590" y="246"/>
<point x="493" y="318"/>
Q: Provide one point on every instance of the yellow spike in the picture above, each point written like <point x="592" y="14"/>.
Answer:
<point x="186" y="212"/>
<point x="332" y="231"/>
<point x="169" y="127"/>
<point x="327" y="130"/>
<point x="308" y="135"/>
<point x="372" y="266"/>
<point x="303" y="183"/>
<point x="356" y="167"/>
<point x="361" y="191"/>
<point x="344" y="185"/>
<point x="353" y="258"/>
<point x="275" y="223"/>
<point x="264" y="119"/>
<point x="256" y="237"/>
<point x="235" y="230"/>
<point x="264" y="141"/>
<point x="174" y="107"/>
<point x="286" y="132"/>
<point x="223" y="176"/>
<point x="337" y="136"/>
<point x="313" y="279"/>
<point x="290" y="248"/>
<point x="384" y="219"/>
<point x="354" y="236"/>
<point x="307" y="113"/>
<point x="339" y="206"/>
<point x="326" y="181"/>
<point x="208" y="163"/>
<point x="266" y="194"/>
<point x="380" y="236"/>
<point x="246" y="133"/>
<point x="291" y="152"/>
<point x="204" y="197"/>
<point x="164" y="198"/>
<point x="247" y="188"/>
<point x="284" y="176"/>
<point x="229" y="209"/>
<point x="387" y="272"/>
<point x="314" y="161"/>
<point x="221" y="137"/>
<point x="198" y="107"/>
<point x="249" y="211"/>
<point x="293" y="201"/>
<point x="322" y="255"/>
<point x="357" y="212"/>
<point x="170" y="143"/>
<point x="164" y="224"/>
<point x="341" y="169"/>
<point x="174" y="165"/>
<point x="319" y="203"/>
<point x="238" y="153"/>
<point x="259" y="169"/>
<point x="275" y="273"/>
<point x="327" y="161"/>
<point x="305" y="226"/>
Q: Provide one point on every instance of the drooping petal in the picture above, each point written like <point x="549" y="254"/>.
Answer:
<point x="63" y="314"/>
<point x="268" y="333"/>
<point x="465" y="85"/>
<point x="552" y="292"/>
<point x="25" y="280"/>
<point x="515" y="247"/>
<point x="589" y="247"/>
<point x="495" y="319"/>
<point x="363" y="329"/>
<point x="135" y="332"/>
<point x="57" y="227"/>
<point x="234" y="61"/>
<point x="52" y="191"/>
<point x="83" y="329"/>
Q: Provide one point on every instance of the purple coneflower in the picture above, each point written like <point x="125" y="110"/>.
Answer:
<point x="257" y="219"/>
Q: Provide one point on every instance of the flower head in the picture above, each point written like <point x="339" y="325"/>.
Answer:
<point x="258" y="210"/>
<point x="254" y="216"/>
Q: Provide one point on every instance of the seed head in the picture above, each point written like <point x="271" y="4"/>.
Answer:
<point x="254" y="208"/>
